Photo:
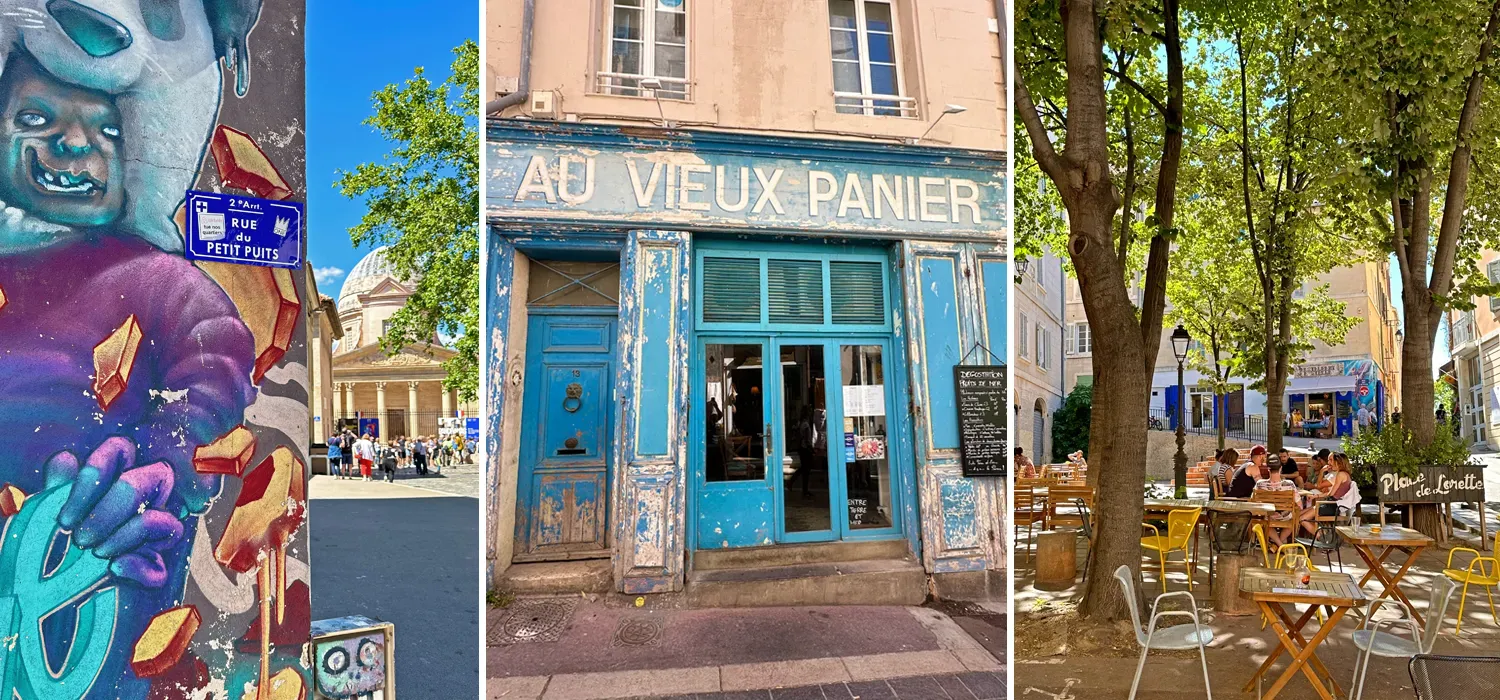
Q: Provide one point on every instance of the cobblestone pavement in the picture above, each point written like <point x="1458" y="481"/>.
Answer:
<point x="458" y="479"/>
<point x="978" y="685"/>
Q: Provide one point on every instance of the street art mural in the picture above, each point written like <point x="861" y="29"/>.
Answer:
<point x="153" y="483"/>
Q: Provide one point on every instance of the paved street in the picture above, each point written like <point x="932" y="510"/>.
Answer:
<point x="572" y="649"/>
<point x="409" y="556"/>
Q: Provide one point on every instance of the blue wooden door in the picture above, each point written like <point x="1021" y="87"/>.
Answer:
<point x="735" y="431"/>
<point x="566" y="439"/>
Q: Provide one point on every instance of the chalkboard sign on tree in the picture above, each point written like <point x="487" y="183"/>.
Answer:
<point x="983" y="408"/>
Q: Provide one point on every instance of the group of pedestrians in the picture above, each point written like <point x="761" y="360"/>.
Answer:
<point x="351" y="456"/>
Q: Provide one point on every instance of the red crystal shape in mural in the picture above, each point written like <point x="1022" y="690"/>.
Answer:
<point x="113" y="360"/>
<point x="271" y="506"/>
<point x="243" y="165"/>
<point x="228" y="455"/>
<point x="2" y="298"/>
<point x="11" y="500"/>
<point x="292" y="630"/>
<point x="188" y="676"/>
<point x="160" y="647"/>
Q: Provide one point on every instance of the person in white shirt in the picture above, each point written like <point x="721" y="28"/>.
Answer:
<point x="364" y="451"/>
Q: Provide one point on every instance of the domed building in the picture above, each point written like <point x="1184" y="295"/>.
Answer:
<point x="395" y="394"/>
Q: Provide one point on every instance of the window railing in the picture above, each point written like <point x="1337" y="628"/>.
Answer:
<point x="629" y="84"/>
<point x="875" y="105"/>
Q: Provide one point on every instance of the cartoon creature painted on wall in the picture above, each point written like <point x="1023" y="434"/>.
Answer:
<point x="352" y="668"/>
<point x="154" y="472"/>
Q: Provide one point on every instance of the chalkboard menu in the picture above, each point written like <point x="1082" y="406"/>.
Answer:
<point x="982" y="412"/>
<point x="1457" y="484"/>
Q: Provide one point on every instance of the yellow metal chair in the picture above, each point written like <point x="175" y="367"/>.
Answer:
<point x="1265" y="552"/>
<point x="1488" y="576"/>
<point x="1181" y="526"/>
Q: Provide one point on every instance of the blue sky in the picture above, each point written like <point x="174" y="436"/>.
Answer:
<point x="353" y="49"/>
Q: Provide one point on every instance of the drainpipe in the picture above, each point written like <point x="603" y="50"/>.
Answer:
<point x="494" y="107"/>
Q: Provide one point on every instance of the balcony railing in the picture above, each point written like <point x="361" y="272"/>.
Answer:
<point x="1463" y="331"/>
<point x="875" y="105"/>
<point x="629" y="84"/>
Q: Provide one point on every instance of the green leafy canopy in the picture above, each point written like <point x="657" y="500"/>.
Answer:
<point x="422" y="203"/>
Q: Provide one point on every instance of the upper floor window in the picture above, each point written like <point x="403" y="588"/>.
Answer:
<point x="1043" y="347"/>
<point x="647" y="40"/>
<point x="1083" y="342"/>
<point x="866" y="67"/>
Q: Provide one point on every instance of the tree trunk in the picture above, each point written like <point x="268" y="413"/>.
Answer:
<point x="1417" y="403"/>
<point x="1221" y="418"/>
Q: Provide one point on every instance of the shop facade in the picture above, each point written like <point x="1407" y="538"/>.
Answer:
<point x="1324" y="399"/>
<point x="704" y="342"/>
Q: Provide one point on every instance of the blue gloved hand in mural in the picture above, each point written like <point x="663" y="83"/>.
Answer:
<point x="119" y="509"/>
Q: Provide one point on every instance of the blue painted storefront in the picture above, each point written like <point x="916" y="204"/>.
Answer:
<point x="862" y="271"/>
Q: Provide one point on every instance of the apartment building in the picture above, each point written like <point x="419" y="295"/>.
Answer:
<point x="1038" y="370"/>
<point x="682" y="194"/>
<point x="1335" y="390"/>
<point x="1474" y="346"/>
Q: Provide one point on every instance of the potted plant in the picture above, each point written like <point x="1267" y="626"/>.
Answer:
<point x="1392" y="449"/>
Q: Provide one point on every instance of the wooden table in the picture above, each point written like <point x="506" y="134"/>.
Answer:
<point x="1339" y="593"/>
<point x="1391" y="538"/>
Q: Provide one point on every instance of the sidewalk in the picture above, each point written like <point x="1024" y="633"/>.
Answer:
<point x="1058" y="655"/>
<point x="610" y="649"/>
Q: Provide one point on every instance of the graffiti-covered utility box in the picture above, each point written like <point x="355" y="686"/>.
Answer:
<point x="154" y="481"/>
<point x="354" y="658"/>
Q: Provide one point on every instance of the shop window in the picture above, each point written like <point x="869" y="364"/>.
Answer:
<point x="646" y="39"/>
<point x="573" y="283"/>
<point x="866" y="65"/>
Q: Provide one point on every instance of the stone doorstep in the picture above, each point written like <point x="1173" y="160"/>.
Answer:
<point x="738" y="677"/>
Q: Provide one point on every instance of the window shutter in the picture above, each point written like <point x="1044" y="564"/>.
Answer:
<point x="794" y="291"/>
<point x="1492" y="270"/>
<point x="857" y="290"/>
<point x="1022" y="327"/>
<point x="731" y="290"/>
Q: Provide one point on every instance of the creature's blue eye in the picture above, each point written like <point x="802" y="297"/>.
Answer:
<point x="31" y="119"/>
<point x="112" y="132"/>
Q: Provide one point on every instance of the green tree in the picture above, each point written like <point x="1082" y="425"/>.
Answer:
<point x="1070" y="423"/>
<point x="422" y="202"/>
<point x="1410" y="76"/>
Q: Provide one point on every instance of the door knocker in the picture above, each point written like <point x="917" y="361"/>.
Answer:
<point x="574" y="399"/>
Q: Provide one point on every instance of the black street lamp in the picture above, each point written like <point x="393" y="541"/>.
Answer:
<point x="1180" y="341"/>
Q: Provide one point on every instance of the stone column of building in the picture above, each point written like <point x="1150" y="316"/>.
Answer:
<point x="411" y="409"/>
<point x="349" y="402"/>
<point x="447" y="402"/>
<point x="385" y="429"/>
<point x="338" y="403"/>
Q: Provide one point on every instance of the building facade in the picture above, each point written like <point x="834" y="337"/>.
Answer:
<point x="384" y="394"/>
<point x="690" y="193"/>
<point x="1038" y="371"/>
<point x="1474" y="346"/>
<point x="1331" y="394"/>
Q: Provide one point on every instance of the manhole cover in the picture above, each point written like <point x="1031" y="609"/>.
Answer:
<point x="532" y="621"/>
<point x="638" y="632"/>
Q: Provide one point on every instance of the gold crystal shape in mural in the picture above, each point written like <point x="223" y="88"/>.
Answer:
<point x="160" y="647"/>
<point x="11" y="500"/>
<point x="229" y="454"/>
<point x="2" y="298"/>
<point x="242" y="164"/>
<point x="268" y="304"/>
<point x="113" y="360"/>
<point x="271" y="506"/>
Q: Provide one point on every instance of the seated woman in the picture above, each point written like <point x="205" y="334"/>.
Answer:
<point x="1340" y="489"/>
<point x="1024" y="468"/>
<point x="1224" y="466"/>
<point x="1275" y="481"/>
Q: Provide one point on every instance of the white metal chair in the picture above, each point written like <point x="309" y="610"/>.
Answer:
<point x="1370" y="640"/>
<point x="1177" y="638"/>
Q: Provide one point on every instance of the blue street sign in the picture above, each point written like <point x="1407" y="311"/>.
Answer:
<point x="244" y="230"/>
<point x="471" y="429"/>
